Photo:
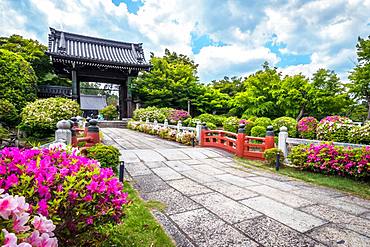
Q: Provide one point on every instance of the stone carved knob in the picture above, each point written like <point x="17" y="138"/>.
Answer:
<point x="283" y="129"/>
<point x="63" y="124"/>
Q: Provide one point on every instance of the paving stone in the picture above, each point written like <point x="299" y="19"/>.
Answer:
<point x="175" y="202"/>
<point x="346" y="206"/>
<point x="137" y="169"/>
<point x="148" y="155"/>
<point x="149" y="183"/>
<point x="128" y="156"/>
<point x="192" y="162"/>
<point x="178" y="165"/>
<point x="235" y="180"/>
<point x="281" y="196"/>
<point x="189" y="187"/>
<point x="199" y="176"/>
<point x="214" y="163"/>
<point x="210" y="153"/>
<point x="274" y="183"/>
<point x="210" y="170"/>
<point x="347" y="220"/>
<point x="205" y="229"/>
<point x="271" y="233"/>
<point x="353" y="199"/>
<point x="366" y="215"/>
<point x="289" y="216"/>
<point x="334" y="235"/>
<point x="313" y="194"/>
<point x="226" y="208"/>
<point x="194" y="153"/>
<point x="155" y="164"/>
<point x="230" y="190"/>
<point x="237" y="172"/>
<point x="167" y="173"/>
<point x="180" y="238"/>
<point x="224" y="160"/>
<point x="173" y="154"/>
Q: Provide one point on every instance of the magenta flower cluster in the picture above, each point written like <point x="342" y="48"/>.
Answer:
<point x="71" y="189"/>
<point x="344" y="161"/>
<point x="21" y="229"/>
<point x="307" y="127"/>
<point x="177" y="115"/>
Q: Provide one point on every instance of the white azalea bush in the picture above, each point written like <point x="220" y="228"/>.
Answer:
<point x="19" y="228"/>
<point x="360" y="134"/>
<point x="40" y="117"/>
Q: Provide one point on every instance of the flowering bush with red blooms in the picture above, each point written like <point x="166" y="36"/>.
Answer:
<point x="177" y="115"/>
<point x="18" y="229"/>
<point x="329" y="159"/>
<point x="307" y="127"/>
<point x="70" y="189"/>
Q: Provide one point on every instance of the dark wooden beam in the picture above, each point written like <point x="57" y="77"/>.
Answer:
<point x="74" y="85"/>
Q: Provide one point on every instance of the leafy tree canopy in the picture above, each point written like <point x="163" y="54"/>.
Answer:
<point x="17" y="79"/>
<point x="230" y="86"/>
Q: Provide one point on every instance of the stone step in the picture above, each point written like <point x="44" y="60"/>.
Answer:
<point x="113" y="124"/>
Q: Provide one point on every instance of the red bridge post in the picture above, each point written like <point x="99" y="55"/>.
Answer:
<point x="240" y="140"/>
<point x="269" y="139"/>
<point x="203" y="134"/>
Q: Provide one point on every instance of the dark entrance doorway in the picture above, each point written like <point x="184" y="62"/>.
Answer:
<point x="90" y="59"/>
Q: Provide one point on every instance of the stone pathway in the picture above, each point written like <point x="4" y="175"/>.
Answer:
<point x="213" y="201"/>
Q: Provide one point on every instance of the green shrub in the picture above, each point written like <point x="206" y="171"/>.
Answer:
<point x="334" y="128"/>
<point x="360" y="134"/>
<point x="262" y="121"/>
<point x="110" y="112"/>
<point x="17" y="79"/>
<point x="108" y="156"/>
<point x="231" y="124"/>
<point x="288" y="122"/>
<point x="258" y="131"/>
<point x="298" y="155"/>
<point x="211" y="126"/>
<point x="271" y="155"/>
<point x="8" y="113"/>
<point x="253" y="118"/>
<point x="210" y="118"/>
<point x="152" y="113"/>
<point x="4" y="133"/>
<point x="39" y="118"/>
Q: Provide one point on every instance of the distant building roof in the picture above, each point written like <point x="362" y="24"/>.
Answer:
<point x="93" y="102"/>
<point x="68" y="47"/>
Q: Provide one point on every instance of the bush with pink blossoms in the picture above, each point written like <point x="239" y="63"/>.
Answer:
<point x="19" y="228"/>
<point x="334" y="128"/>
<point x="307" y="127"/>
<point x="73" y="191"/>
<point x="336" y="160"/>
<point x="178" y="115"/>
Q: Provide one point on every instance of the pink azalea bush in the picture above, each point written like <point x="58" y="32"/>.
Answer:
<point x="19" y="228"/>
<point x="72" y="190"/>
<point x="334" y="128"/>
<point x="329" y="159"/>
<point x="177" y="115"/>
<point x="307" y="127"/>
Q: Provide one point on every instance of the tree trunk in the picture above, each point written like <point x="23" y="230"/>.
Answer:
<point x="301" y="112"/>
<point x="368" y="109"/>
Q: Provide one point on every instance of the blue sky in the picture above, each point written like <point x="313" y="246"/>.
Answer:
<point x="225" y="37"/>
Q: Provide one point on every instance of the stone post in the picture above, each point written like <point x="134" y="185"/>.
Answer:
<point x="198" y="130"/>
<point x="240" y="140"/>
<point x="63" y="134"/>
<point x="166" y="123"/>
<point x="282" y="145"/>
<point x="147" y="121"/>
<point x="269" y="139"/>
<point x="155" y="122"/>
<point x="179" y="125"/>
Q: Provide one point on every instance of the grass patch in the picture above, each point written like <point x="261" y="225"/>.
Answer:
<point x="356" y="187"/>
<point x="139" y="227"/>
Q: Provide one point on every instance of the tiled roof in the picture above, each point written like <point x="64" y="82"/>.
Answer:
<point x="67" y="47"/>
<point x="92" y="102"/>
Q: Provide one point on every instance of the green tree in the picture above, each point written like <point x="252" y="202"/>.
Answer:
<point x="292" y="97"/>
<point x="211" y="100"/>
<point x="327" y="95"/>
<point x="17" y="79"/>
<point x="31" y="50"/>
<point x="260" y="97"/>
<point x="230" y="86"/>
<point x="171" y="82"/>
<point x="360" y="76"/>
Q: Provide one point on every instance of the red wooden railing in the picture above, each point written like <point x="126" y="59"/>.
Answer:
<point x="243" y="146"/>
